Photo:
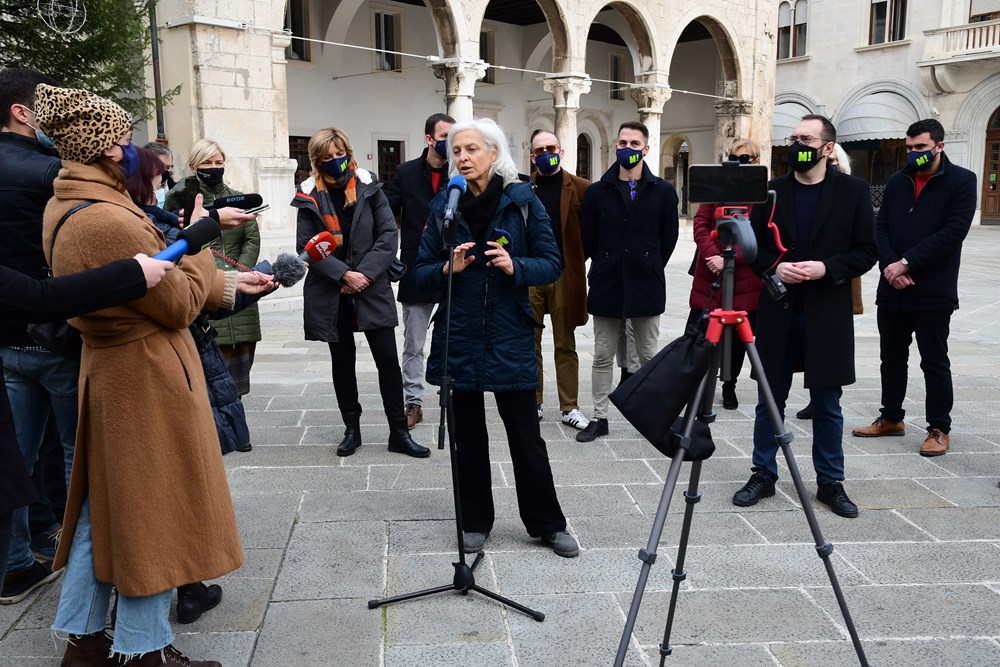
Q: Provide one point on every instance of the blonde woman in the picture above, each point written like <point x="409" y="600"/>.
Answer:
<point x="350" y="291"/>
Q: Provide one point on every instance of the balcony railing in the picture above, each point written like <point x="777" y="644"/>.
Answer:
<point x="973" y="41"/>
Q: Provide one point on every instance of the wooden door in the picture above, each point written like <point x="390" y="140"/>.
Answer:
<point x="390" y="154"/>
<point x="991" y="179"/>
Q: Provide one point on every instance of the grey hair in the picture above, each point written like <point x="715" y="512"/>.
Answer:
<point x="843" y="161"/>
<point x="494" y="137"/>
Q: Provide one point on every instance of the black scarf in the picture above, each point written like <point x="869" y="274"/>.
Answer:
<point x="478" y="211"/>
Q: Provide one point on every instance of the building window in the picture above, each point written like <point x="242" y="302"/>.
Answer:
<point x="387" y="39"/>
<point x="583" y="156"/>
<point x="888" y="21"/>
<point x="487" y="53"/>
<point x="298" y="150"/>
<point x="617" y="91"/>
<point x="296" y="22"/>
<point x="793" y="22"/>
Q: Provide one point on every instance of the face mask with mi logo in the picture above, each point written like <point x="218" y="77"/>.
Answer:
<point x="547" y="163"/>
<point x="920" y="160"/>
<point x="801" y="157"/>
<point x="628" y="157"/>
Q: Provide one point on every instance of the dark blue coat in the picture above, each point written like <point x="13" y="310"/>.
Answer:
<point x="628" y="252"/>
<point x="927" y="231"/>
<point x="492" y="344"/>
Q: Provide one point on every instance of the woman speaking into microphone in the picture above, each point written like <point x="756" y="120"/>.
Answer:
<point x="504" y="244"/>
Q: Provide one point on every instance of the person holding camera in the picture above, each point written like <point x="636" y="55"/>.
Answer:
<point x="504" y="245"/>
<point x="349" y="291"/>
<point x="708" y="265"/>
<point x="825" y="220"/>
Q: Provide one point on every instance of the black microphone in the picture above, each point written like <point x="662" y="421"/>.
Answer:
<point x="238" y="201"/>
<point x="456" y="188"/>
<point x="287" y="269"/>
<point x="191" y="240"/>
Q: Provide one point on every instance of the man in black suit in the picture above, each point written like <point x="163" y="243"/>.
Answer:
<point x="412" y="189"/>
<point x="826" y="221"/>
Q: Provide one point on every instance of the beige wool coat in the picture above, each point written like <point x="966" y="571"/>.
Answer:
<point x="147" y="451"/>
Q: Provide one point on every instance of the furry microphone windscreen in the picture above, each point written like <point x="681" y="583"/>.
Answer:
<point x="288" y="269"/>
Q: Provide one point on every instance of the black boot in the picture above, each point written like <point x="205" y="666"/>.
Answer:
<point x="729" y="400"/>
<point x="195" y="599"/>
<point x="352" y="434"/>
<point x="401" y="442"/>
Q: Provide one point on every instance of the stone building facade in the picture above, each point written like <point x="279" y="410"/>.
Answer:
<point x="876" y="66"/>
<point x="697" y="72"/>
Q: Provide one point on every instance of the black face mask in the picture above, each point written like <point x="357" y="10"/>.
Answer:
<point x="801" y="157"/>
<point x="211" y="177"/>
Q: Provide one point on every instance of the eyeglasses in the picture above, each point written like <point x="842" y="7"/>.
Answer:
<point x="551" y="148"/>
<point x="742" y="159"/>
<point x="804" y="139"/>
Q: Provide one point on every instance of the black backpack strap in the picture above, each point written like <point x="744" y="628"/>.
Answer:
<point x="55" y="232"/>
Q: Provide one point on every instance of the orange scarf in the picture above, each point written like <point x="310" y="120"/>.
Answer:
<point x="326" y="208"/>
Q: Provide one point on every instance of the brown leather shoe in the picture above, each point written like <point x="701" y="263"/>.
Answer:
<point x="879" y="428"/>
<point x="89" y="651"/>
<point x="936" y="443"/>
<point x="414" y="415"/>
<point x="168" y="656"/>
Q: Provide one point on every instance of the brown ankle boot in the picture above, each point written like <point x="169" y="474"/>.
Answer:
<point x="89" y="651"/>
<point x="168" y="656"/>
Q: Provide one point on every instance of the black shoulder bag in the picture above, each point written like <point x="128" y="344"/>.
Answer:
<point x="58" y="337"/>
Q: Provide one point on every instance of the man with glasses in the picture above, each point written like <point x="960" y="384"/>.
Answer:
<point x="825" y="220"/>
<point x="37" y="380"/>
<point x="565" y="300"/>
<point x="925" y="216"/>
<point x="629" y="224"/>
<point x="414" y="185"/>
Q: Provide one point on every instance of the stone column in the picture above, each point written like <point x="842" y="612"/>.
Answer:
<point x="233" y="90"/>
<point x="732" y="119"/>
<point x="650" y="98"/>
<point x="566" y="89"/>
<point x="459" y="76"/>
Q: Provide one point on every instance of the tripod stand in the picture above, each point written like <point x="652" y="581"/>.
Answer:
<point x="723" y="323"/>
<point x="464" y="579"/>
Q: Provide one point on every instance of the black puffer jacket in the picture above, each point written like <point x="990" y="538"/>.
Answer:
<point x="27" y="171"/>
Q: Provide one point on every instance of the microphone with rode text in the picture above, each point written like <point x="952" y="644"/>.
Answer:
<point x="319" y="248"/>
<point x="191" y="240"/>
<point x="244" y="202"/>
<point x="456" y="188"/>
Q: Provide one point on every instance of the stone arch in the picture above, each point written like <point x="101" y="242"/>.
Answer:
<point x="895" y="86"/>
<point x="966" y="141"/>
<point x="733" y="68"/>
<point x="640" y="28"/>
<point x="555" y="19"/>
<point x="534" y="61"/>
<point x="600" y="123"/>
<point x="800" y="97"/>
<point x="447" y="29"/>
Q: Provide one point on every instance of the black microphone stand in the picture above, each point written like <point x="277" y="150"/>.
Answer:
<point x="464" y="579"/>
<point x="723" y="324"/>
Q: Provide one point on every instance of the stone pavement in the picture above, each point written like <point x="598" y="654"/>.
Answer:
<point x="323" y="535"/>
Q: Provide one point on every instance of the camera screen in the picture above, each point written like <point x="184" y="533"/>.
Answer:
<point x="716" y="183"/>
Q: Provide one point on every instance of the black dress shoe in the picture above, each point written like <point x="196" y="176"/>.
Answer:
<point x="193" y="600"/>
<point x="835" y="496"/>
<point x="806" y="412"/>
<point x="595" y="429"/>
<point x="756" y="488"/>
<point x="729" y="400"/>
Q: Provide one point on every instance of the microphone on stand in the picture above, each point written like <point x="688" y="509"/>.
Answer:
<point x="456" y="188"/>
<point x="191" y="240"/>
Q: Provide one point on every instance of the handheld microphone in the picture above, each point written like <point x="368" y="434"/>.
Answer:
<point x="191" y="240"/>
<point x="456" y="187"/>
<point x="287" y="270"/>
<point x="319" y="248"/>
<point x="238" y="201"/>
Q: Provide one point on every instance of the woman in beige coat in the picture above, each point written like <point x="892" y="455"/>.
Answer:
<point x="149" y="507"/>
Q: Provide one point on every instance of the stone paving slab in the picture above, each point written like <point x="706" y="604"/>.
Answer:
<point x="954" y="523"/>
<point x="319" y="632"/>
<point x="895" y="653"/>
<point x="332" y="560"/>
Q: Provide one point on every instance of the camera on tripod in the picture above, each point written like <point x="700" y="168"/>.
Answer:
<point x="732" y="186"/>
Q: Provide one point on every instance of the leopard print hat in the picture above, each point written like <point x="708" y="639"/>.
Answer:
<point x="81" y="124"/>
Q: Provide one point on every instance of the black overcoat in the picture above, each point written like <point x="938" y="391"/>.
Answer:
<point x="372" y="242"/>
<point x="409" y="196"/>
<point x="24" y="299"/>
<point x="628" y="248"/>
<point x="843" y="238"/>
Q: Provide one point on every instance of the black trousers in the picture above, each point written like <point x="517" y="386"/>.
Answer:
<point x="536" y="492"/>
<point x="896" y="329"/>
<point x="344" y="356"/>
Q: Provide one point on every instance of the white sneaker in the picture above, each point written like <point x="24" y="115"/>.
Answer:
<point x="575" y="419"/>
<point x="541" y="412"/>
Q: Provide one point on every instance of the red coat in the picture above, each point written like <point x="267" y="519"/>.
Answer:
<point x="748" y="285"/>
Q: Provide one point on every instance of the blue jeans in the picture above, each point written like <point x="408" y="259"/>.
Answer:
<point x="36" y="383"/>
<point x="828" y="420"/>
<point x="142" y="624"/>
